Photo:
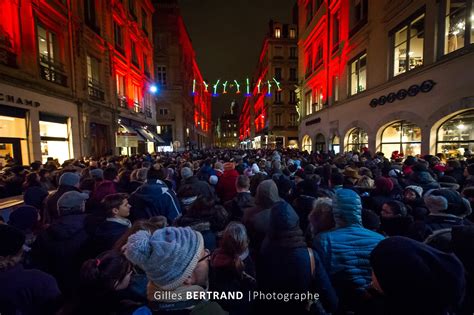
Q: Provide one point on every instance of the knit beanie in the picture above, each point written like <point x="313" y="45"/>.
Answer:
<point x="11" y="240"/>
<point x="24" y="218"/>
<point x="384" y="185"/>
<point x="447" y="201"/>
<point x="416" y="189"/>
<point x="413" y="274"/>
<point x="186" y="172"/>
<point x="213" y="179"/>
<point x="168" y="256"/>
<point x="69" y="179"/>
<point x="97" y="173"/>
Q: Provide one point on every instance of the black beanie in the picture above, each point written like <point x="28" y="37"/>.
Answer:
<point x="11" y="240"/>
<point x="415" y="275"/>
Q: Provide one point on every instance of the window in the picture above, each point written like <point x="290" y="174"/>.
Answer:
<point x="278" y="74"/>
<point x="278" y="97"/>
<point x="358" y="15"/>
<point x="278" y="120"/>
<point x="293" y="119"/>
<point x="357" y="139"/>
<point x="131" y="8"/>
<point x="134" y="54"/>
<point x="122" y="99"/>
<point x="48" y="51"/>
<point x="320" y="143"/>
<point x="358" y="79"/>
<point x="293" y="75"/>
<point x="336" y="144"/>
<point x="318" y="99"/>
<point x="319" y="56"/>
<point x="457" y="22"/>
<point x="309" y="62"/>
<point x="93" y="78"/>
<point x="292" y="33"/>
<point x="335" y="88"/>
<point x="278" y="52"/>
<point x="309" y="12"/>
<point x="54" y="133"/>
<point x="90" y="14"/>
<point x="293" y="52"/>
<point x="146" y="66"/>
<point x="164" y="111"/>
<point x="292" y="97"/>
<point x="161" y="75"/>
<point x="307" y="144"/>
<point x="118" y="37"/>
<point x="147" y="102"/>
<point x="408" y="45"/>
<point x="401" y="136"/>
<point x="144" y="22"/>
<point x="309" y="103"/>
<point x="456" y="135"/>
<point x="335" y="30"/>
<point x="136" y="97"/>
<point x="277" y="32"/>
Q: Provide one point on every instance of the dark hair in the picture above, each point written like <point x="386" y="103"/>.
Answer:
<point x="87" y="183"/>
<point x="31" y="180"/>
<point x="243" y="181"/>
<point x="110" y="173"/>
<point x="112" y="201"/>
<point x="398" y="208"/>
<point x="337" y="178"/>
<point x="139" y="225"/>
<point x="102" y="274"/>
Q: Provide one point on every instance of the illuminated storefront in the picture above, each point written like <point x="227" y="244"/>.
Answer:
<point x="357" y="139"/>
<point x="401" y="136"/>
<point x="54" y="131"/>
<point x="456" y="135"/>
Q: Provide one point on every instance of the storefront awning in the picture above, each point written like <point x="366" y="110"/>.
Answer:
<point x="157" y="137"/>
<point x="130" y="130"/>
<point x="145" y="134"/>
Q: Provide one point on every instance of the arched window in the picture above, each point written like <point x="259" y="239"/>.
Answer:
<point x="320" y="143"/>
<point x="456" y="135"/>
<point x="336" y="144"/>
<point x="402" y="136"/>
<point x="357" y="139"/>
<point x="307" y="144"/>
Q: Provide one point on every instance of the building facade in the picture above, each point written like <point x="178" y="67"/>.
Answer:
<point x="227" y="129"/>
<point x="387" y="75"/>
<point x="269" y="116"/>
<point x="183" y="117"/>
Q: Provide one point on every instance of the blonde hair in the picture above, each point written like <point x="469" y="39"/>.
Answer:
<point x="234" y="239"/>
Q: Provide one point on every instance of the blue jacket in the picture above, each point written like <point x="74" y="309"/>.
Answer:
<point x="154" y="198"/>
<point x="345" y="251"/>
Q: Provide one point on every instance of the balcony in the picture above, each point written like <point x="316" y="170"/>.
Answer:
<point x="53" y="71"/>
<point x="95" y="90"/>
<point x="122" y="101"/>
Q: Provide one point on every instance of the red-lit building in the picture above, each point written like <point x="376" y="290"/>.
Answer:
<point x="386" y="75"/>
<point x="269" y="116"/>
<point x="183" y="118"/>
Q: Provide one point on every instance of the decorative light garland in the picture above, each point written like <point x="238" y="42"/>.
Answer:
<point x="226" y="86"/>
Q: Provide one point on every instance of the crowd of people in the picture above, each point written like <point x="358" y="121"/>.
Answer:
<point x="152" y="234"/>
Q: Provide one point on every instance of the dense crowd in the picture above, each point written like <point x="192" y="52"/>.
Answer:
<point x="147" y="234"/>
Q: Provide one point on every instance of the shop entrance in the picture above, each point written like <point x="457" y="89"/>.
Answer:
<point x="10" y="148"/>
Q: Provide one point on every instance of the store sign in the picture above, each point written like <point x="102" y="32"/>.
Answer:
<point x="18" y="100"/>
<point x="424" y="87"/>
<point x="125" y="139"/>
<point x="314" y="121"/>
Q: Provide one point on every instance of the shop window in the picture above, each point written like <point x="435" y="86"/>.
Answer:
<point x="458" y="23"/>
<point x="13" y="139"/>
<point x="320" y="143"/>
<point x="54" y="132"/>
<point x="357" y="139"/>
<point x="307" y="144"/>
<point x="456" y="135"/>
<point x="336" y="144"/>
<point x="408" y="41"/>
<point x="401" y="136"/>
<point x="277" y="32"/>
<point x="358" y="79"/>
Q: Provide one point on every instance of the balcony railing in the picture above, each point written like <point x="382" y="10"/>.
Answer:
<point x="122" y="101"/>
<point x="52" y="70"/>
<point x="95" y="90"/>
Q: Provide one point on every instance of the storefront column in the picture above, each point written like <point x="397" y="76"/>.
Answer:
<point x="34" y="136"/>
<point x="425" y="141"/>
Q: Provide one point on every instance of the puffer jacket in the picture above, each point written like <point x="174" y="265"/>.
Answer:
<point x="345" y="251"/>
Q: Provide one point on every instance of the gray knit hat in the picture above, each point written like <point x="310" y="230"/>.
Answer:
<point x="186" y="172"/>
<point x="69" y="179"/>
<point x="416" y="189"/>
<point x="168" y="256"/>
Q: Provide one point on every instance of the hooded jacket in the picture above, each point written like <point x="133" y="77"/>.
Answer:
<point x="345" y="251"/>
<point x="154" y="198"/>
<point x="238" y="204"/>
<point x="226" y="186"/>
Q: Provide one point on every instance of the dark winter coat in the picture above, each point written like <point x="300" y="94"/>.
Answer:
<point x="423" y="179"/>
<point x="203" y="226"/>
<point x="238" y="204"/>
<point x="401" y="226"/>
<point x="59" y="250"/>
<point x="192" y="186"/>
<point x="107" y="233"/>
<point x="28" y="292"/>
<point x="35" y="196"/>
<point x="154" y="198"/>
<point x="434" y="223"/>
<point x="303" y="206"/>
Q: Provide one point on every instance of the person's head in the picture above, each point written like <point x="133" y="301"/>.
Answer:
<point x="234" y="239"/>
<point x="383" y="185"/>
<point x="24" y="218"/>
<point x="347" y="208"/>
<point x="70" y="179"/>
<point x="412" y="192"/>
<point x="337" y="179"/>
<point x="171" y="257"/>
<point x="416" y="277"/>
<point x="72" y="202"/>
<point x="110" y="271"/>
<point x="150" y="226"/>
<point x="447" y="201"/>
<point x="392" y="209"/>
<point x="11" y="246"/>
<point x="321" y="217"/>
<point x="141" y="174"/>
<point x="110" y="173"/>
<point x="32" y="179"/>
<point x="242" y="183"/>
<point x="469" y="170"/>
<point x="116" y="205"/>
<point x="97" y="174"/>
<point x="186" y="172"/>
<point x="267" y="194"/>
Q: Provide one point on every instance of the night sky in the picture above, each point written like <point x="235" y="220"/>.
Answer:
<point x="228" y="36"/>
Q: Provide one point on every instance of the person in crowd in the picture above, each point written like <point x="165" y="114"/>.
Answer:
<point x="345" y="250"/>
<point x="68" y="181"/>
<point x="117" y="210"/>
<point x="232" y="268"/>
<point x="34" y="194"/>
<point x="382" y="194"/>
<point x="395" y="219"/>
<point x="284" y="248"/>
<point x="306" y="192"/>
<point x="226" y="189"/>
<point x="193" y="186"/>
<point x="45" y="179"/>
<point x="321" y="218"/>
<point x="412" y="278"/>
<point x="23" y="291"/>
<point x="175" y="262"/>
<point x="59" y="250"/>
<point x="242" y="200"/>
<point x="422" y="177"/>
<point x="469" y="176"/>
<point x="412" y="198"/>
<point x="26" y="219"/>
<point x="154" y="198"/>
<point x="107" y="187"/>
<point x="137" y="178"/>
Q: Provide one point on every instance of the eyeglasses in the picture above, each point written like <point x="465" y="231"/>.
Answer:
<point x="204" y="258"/>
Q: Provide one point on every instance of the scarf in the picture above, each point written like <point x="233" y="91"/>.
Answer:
<point x="122" y="221"/>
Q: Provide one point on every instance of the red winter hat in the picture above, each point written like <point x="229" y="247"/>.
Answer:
<point x="384" y="185"/>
